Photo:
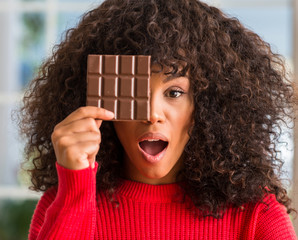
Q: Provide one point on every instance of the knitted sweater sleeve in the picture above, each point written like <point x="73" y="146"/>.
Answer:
<point x="273" y="221"/>
<point x="69" y="211"/>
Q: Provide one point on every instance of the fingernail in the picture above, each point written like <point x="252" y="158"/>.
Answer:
<point x="109" y="114"/>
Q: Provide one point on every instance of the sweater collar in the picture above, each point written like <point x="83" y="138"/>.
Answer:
<point x="164" y="193"/>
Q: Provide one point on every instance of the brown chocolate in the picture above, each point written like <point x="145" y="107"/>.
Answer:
<point x="121" y="84"/>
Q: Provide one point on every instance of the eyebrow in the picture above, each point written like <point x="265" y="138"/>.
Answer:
<point x="172" y="77"/>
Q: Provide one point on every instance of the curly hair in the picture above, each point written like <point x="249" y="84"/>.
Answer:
<point x="241" y="92"/>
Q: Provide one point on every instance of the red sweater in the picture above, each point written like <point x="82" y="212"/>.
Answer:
<point x="74" y="211"/>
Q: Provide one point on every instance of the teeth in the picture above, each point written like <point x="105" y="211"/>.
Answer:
<point x="152" y="140"/>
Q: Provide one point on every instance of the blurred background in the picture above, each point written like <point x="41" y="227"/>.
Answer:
<point x="28" y="31"/>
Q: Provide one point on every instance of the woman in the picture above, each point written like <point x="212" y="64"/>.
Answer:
<point x="204" y="166"/>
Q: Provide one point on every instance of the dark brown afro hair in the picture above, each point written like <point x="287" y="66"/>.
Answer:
<point x="240" y="88"/>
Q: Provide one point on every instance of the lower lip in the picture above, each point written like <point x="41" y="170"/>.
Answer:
<point x="153" y="159"/>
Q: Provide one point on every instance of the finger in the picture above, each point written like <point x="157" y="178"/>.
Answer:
<point x="69" y="140"/>
<point x="98" y="123"/>
<point x="88" y="112"/>
<point x="79" y="156"/>
<point x="82" y="125"/>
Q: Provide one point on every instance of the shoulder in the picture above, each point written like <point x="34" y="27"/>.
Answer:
<point x="272" y="220"/>
<point x="49" y="196"/>
<point x="46" y="200"/>
<point x="269" y="208"/>
<point x="40" y="211"/>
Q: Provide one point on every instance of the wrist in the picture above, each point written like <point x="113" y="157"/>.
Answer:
<point x="76" y="187"/>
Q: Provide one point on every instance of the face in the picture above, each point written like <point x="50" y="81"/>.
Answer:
<point x="153" y="149"/>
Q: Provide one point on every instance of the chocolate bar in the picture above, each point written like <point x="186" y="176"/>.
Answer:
<point x="121" y="84"/>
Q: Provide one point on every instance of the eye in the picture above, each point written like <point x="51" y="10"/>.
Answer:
<point x="174" y="93"/>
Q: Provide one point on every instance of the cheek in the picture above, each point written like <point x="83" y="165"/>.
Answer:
<point x="184" y="118"/>
<point x="126" y="133"/>
<point x="185" y="126"/>
<point x="121" y="129"/>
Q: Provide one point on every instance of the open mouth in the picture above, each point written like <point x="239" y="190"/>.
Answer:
<point x="153" y="146"/>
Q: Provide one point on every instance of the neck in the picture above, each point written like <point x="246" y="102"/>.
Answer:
<point x="133" y="174"/>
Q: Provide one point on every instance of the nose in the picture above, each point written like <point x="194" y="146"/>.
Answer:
<point x="156" y="110"/>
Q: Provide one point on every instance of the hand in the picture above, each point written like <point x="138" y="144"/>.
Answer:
<point x="76" y="140"/>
